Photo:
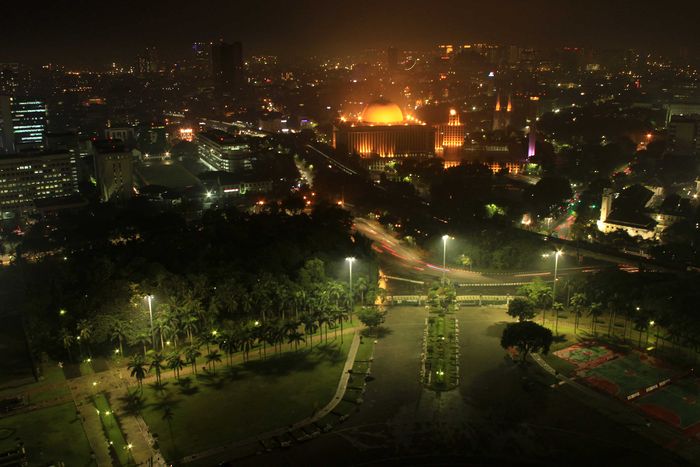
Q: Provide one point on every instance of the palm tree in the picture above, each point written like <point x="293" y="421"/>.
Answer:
<point x="310" y="328"/>
<point x="85" y="333"/>
<point x="144" y="338"/>
<point x="361" y="286"/>
<point x="229" y="345"/>
<point x="176" y="363"/>
<point x="138" y="369"/>
<point x="295" y="337"/>
<point x="157" y="365"/>
<point x="339" y="316"/>
<point x="119" y="330"/>
<point x="213" y="357"/>
<point x="189" y="325"/>
<point x="578" y="301"/>
<point x="67" y="339"/>
<point x="192" y="353"/>
<point x="595" y="311"/>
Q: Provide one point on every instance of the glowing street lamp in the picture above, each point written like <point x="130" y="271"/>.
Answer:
<point x="150" y="314"/>
<point x="350" y="260"/>
<point x="444" y="255"/>
<point x="556" y="267"/>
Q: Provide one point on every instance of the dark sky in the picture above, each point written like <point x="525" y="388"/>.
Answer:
<point x="87" y="32"/>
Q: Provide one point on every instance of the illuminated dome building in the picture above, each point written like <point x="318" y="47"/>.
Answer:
<point x="382" y="131"/>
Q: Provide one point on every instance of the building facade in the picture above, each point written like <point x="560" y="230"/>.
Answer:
<point x="222" y="151"/>
<point x="382" y="131"/>
<point x="24" y="179"/>
<point x="114" y="172"/>
<point x="22" y="124"/>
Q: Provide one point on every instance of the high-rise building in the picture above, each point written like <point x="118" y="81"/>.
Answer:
<point x="148" y="62"/>
<point x="26" y="178"/>
<point x="684" y="135"/>
<point x="114" y="171"/>
<point x="227" y="65"/>
<point x="9" y="73"/>
<point x="201" y="51"/>
<point x="450" y="135"/>
<point x="22" y="124"/>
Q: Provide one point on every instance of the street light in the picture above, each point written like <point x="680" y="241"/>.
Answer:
<point x="350" y="260"/>
<point x="150" y="314"/>
<point x="444" y="255"/>
<point x="556" y="268"/>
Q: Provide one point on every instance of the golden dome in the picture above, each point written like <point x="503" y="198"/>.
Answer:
<point x="382" y="112"/>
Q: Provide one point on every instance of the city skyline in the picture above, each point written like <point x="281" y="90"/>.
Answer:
<point x="313" y="27"/>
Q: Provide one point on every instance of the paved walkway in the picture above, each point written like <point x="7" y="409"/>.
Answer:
<point x="339" y="393"/>
<point x="622" y="413"/>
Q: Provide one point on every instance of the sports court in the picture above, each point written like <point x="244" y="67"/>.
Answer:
<point x="628" y="374"/>
<point x="586" y="354"/>
<point x="678" y="404"/>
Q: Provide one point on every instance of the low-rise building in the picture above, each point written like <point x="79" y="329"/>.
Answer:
<point x="221" y="151"/>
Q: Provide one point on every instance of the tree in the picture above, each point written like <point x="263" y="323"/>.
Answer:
<point x="442" y="296"/>
<point x="295" y="337"/>
<point x="578" y="302"/>
<point x="521" y="308"/>
<point x="176" y="363"/>
<point x="157" y="365"/>
<point x="539" y="292"/>
<point x="527" y="337"/>
<point x="371" y="317"/>
<point x="67" y="340"/>
<point x="192" y="353"/>
<point x="465" y="261"/>
<point x="213" y="358"/>
<point x="595" y="311"/>
<point x="138" y="369"/>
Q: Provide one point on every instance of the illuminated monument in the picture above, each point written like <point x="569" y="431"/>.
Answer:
<point x="382" y="131"/>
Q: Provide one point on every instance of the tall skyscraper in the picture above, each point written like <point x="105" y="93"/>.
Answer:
<point x="9" y="73"/>
<point x="148" y="62"/>
<point x="22" y="124"/>
<point x="227" y="65"/>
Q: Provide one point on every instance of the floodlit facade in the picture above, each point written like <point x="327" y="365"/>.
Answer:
<point x="22" y="124"/>
<point x="383" y="131"/>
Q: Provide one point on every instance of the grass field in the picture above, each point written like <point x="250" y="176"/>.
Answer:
<point x="52" y="434"/>
<point x="243" y="401"/>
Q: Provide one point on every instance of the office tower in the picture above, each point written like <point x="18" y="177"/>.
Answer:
<point x="26" y="178"/>
<point x="9" y="73"/>
<point x="22" y="124"/>
<point x="114" y="171"/>
<point x="148" y="62"/>
<point x="227" y="65"/>
<point x="684" y="135"/>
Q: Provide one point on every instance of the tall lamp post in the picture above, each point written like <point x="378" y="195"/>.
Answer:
<point x="556" y="267"/>
<point x="350" y="260"/>
<point x="150" y="314"/>
<point x="444" y="255"/>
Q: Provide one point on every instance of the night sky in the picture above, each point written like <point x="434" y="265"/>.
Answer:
<point x="92" y="32"/>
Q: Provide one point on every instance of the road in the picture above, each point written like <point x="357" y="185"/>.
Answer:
<point x="399" y="259"/>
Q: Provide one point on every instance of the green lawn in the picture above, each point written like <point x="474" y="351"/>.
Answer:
<point x="248" y="400"/>
<point x="52" y="434"/>
<point x="110" y="425"/>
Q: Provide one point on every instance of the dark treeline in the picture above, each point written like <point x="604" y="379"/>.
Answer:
<point x="231" y="271"/>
